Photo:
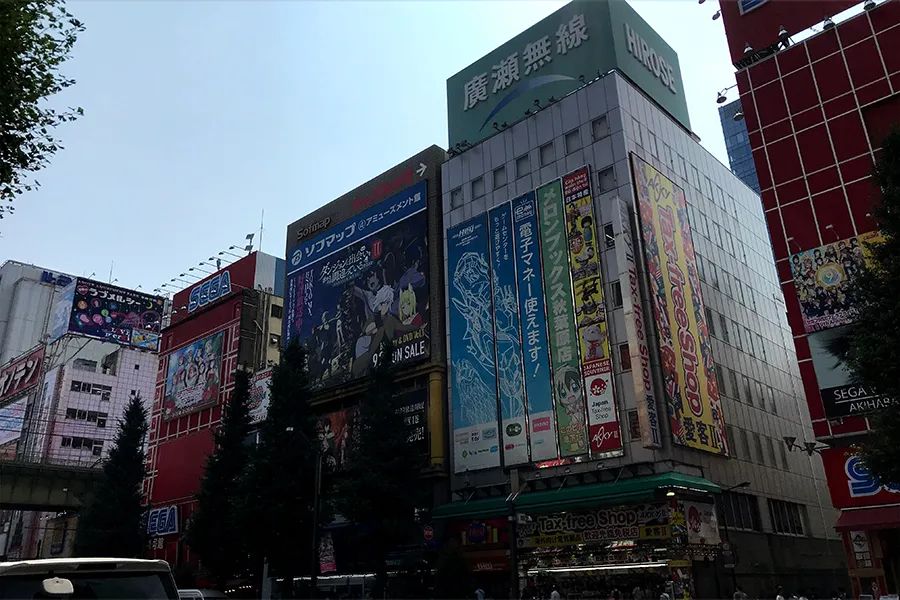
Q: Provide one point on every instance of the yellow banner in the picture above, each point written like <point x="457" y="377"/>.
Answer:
<point x="691" y="391"/>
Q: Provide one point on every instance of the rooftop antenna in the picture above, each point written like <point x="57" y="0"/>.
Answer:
<point x="111" y="263"/>
<point x="262" y="218"/>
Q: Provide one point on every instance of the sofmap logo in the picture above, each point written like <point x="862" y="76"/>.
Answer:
<point x="863" y="482"/>
<point x="209" y="291"/>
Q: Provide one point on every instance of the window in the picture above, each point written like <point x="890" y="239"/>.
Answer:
<point x="456" y="198"/>
<point x="757" y="444"/>
<point x="729" y="434"/>
<point x="737" y="335"/>
<point x="70" y="413"/>
<point x="637" y="131"/>
<point x="760" y="346"/>
<point x="784" y="459"/>
<point x="745" y="444"/>
<point x="701" y="264"/>
<point x="78" y="386"/>
<point x="634" y="425"/>
<point x="748" y="390"/>
<point x="770" y="396"/>
<point x="97" y="450"/>
<point x="83" y="364"/>
<point x="683" y="165"/>
<point x="624" y="357"/>
<point x="740" y="511"/>
<point x="616" y="293"/>
<point x="787" y="517"/>
<point x="720" y="377"/>
<point x="651" y="139"/>
<point x="92" y="416"/>
<point x="749" y="337"/>
<point x="548" y="154"/>
<point x="478" y="187"/>
<point x="101" y="420"/>
<point x="723" y="327"/>
<point x="523" y="166"/>
<point x="709" y="321"/>
<point x="499" y="177"/>
<point x="573" y="141"/>
<point x="66" y="442"/>
<point x="277" y="311"/>
<point x="137" y="367"/>
<point x="607" y="179"/>
<point x="600" y="128"/>
<point x="695" y="178"/>
<point x="732" y="376"/>
<point x="132" y="393"/>
<point x="770" y="449"/>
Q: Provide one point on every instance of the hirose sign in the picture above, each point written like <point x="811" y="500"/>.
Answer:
<point x="554" y="58"/>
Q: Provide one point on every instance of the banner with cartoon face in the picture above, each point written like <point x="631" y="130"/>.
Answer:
<point x="194" y="376"/>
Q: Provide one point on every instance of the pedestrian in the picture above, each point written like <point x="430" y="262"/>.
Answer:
<point x="554" y="595"/>
<point x="739" y="594"/>
<point x="779" y="593"/>
<point x="637" y="593"/>
<point x="479" y="593"/>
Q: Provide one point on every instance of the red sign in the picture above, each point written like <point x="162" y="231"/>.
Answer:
<point x="241" y="274"/>
<point x="21" y="374"/>
<point x="852" y="485"/>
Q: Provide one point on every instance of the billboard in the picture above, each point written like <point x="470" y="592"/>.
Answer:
<point x="61" y="312"/>
<point x="194" y="376"/>
<point x="632" y="522"/>
<point x="689" y="381"/>
<point x="535" y="351"/>
<point x="473" y="376"/>
<point x="564" y="360"/>
<point x="702" y="523"/>
<point x="110" y="313"/>
<point x="507" y="338"/>
<point x="852" y="484"/>
<point x="358" y="283"/>
<point x="21" y="374"/>
<point x="824" y="279"/>
<point x="12" y="416"/>
<point x="259" y="396"/>
<point x="590" y="314"/>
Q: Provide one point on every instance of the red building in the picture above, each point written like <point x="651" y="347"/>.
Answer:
<point x="232" y="318"/>
<point x="816" y="112"/>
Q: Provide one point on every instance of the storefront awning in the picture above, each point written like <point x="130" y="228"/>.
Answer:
<point x="869" y="518"/>
<point x="637" y="489"/>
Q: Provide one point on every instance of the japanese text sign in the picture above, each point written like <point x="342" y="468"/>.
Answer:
<point x="21" y="374"/>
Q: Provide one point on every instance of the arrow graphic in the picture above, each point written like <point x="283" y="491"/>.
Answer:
<point x="421" y="170"/>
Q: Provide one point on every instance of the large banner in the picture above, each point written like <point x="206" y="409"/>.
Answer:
<point x="361" y="282"/>
<point x="473" y="376"/>
<point x="824" y="279"/>
<point x="12" y="416"/>
<point x="692" y="395"/>
<point x="507" y="338"/>
<point x="194" y="376"/>
<point x="535" y="352"/>
<point x="21" y="374"/>
<point x="590" y="315"/>
<point x="259" y="396"/>
<point x="564" y="359"/>
<point x="633" y="522"/>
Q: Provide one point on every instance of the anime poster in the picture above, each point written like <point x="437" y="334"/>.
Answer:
<point x="336" y="432"/>
<point x="564" y="356"/>
<point x="473" y="376"/>
<point x="535" y="351"/>
<point x="259" y="396"/>
<point x="360" y="283"/>
<point x="507" y="337"/>
<point x="590" y="315"/>
<point x="114" y="314"/>
<point x="194" y="376"/>
<point x="824" y="279"/>
<point x="689" y="379"/>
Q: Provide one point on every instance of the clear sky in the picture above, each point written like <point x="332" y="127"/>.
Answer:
<point x="199" y="115"/>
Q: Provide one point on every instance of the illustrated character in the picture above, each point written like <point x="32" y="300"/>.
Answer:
<point x="568" y="390"/>
<point x="592" y="338"/>
<point x="326" y="440"/>
<point x="377" y="298"/>
<point x="587" y="229"/>
<point x="409" y="315"/>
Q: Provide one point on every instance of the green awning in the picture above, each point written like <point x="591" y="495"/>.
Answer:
<point x="637" y="489"/>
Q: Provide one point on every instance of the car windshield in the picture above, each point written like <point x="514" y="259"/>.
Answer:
<point x="90" y="586"/>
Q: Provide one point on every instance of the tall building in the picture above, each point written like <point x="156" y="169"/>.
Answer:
<point x="817" y="111"/>
<point x="593" y="444"/>
<point x="229" y="320"/>
<point x="737" y="144"/>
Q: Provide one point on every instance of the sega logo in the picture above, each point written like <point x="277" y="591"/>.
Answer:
<point x="209" y="291"/>
<point x="863" y="482"/>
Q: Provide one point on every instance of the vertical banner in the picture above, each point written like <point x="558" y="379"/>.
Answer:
<point x="473" y="376"/>
<point x="590" y="314"/>
<point x="535" y="352"/>
<point x="507" y="334"/>
<point x="635" y="328"/>
<point x="564" y="359"/>
<point x="692" y="394"/>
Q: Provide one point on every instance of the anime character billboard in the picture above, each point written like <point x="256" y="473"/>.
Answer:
<point x="359" y="283"/>
<point x="194" y="376"/>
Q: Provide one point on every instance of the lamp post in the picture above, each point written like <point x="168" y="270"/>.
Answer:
<point x="740" y="485"/>
<point x="317" y="492"/>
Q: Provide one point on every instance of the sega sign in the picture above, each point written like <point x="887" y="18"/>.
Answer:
<point x="162" y="521"/>
<point x="852" y="484"/>
<point x="209" y="291"/>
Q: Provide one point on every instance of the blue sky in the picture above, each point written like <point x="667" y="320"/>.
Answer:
<point x="199" y="115"/>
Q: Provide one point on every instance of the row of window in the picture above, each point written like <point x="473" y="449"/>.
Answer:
<point x="82" y="443"/>
<point x="750" y="445"/>
<point x="745" y="389"/>
<point x="91" y="416"/>
<point x="741" y="511"/>
<point x="739" y="336"/>
<point x="85" y="387"/>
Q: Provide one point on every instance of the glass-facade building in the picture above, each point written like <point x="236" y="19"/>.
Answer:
<point x="737" y="144"/>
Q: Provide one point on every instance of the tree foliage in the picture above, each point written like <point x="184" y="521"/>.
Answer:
<point x="379" y="491"/>
<point x="217" y="521"/>
<point x="112" y="523"/>
<point x="36" y="37"/>
<point x="872" y="346"/>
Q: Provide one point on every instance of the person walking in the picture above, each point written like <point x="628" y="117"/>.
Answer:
<point x="739" y="594"/>
<point x="554" y="595"/>
<point x="779" y="593"/>
<point x="479" y="593"/>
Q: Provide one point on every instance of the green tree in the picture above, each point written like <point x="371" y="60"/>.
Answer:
<point x="872" y="346"/>
<point x="36" y="37"/>
<point x="112" y="523"/>
<point x="218" y="516"/>
<point x="380" y="489"/>
<point x="279" y="494"/>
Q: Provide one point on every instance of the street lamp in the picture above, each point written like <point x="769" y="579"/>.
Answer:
<point x="740" y="485"/>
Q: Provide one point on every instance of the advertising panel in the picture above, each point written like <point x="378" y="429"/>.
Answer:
<point x="633" y="522"/>
<point x="413" y="411"/>
<point x="824" y="279"/>
<point x="11" y="418"/>
<point x="194" y="376"/>
<point x="259" y="396"/>
<point x="689" y="381"/>
<point x="327" y="562"/>
<point x="21" y="374"/>
<point x="507" y="338"/>
<point x="113" y="314"/>
<point x="535" y="352"/>
<point x="361" y="282"/>
<point x="336" y="432"/>
<point x="590" y="315"/>
<point x="564" y="358"/>
<point x="61" y="312"/>
<point x="841" y="395"/>
<point x="473" y="376"/>
<point x="636" y="330"/>
<point x="163" y="520"/>
<point x="852" y="484"/>
<point x="702" y="524"/>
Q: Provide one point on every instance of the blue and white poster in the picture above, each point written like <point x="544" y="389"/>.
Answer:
<point x="507" y="335"/>
<point x="535" y="349"/>
<point x="473" y="376"/>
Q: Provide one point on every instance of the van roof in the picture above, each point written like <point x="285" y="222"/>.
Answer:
<point x="63" y="565"/>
